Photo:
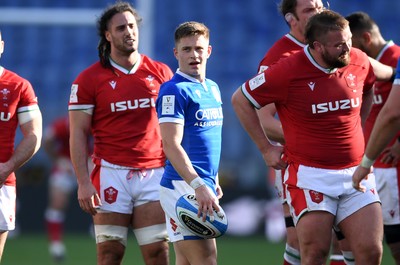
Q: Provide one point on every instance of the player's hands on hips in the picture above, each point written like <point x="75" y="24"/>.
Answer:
<point x="88" y="198"/>
<point x="273" y="157"/>
<point x="360" y="174"/>
<point x="207" y="202"/>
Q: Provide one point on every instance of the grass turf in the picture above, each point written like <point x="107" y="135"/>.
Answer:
<point x="32" y="249"/>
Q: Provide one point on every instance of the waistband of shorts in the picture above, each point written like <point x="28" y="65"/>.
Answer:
<point x="104" y="163"/>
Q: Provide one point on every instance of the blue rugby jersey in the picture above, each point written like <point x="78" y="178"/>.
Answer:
<point x="198" y="107"/>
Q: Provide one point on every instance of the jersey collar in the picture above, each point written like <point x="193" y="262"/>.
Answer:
<point x="126" y="71"/>
<point x="312" y="60"/>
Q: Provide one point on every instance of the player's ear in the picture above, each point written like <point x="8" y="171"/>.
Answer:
<point x="367" y="37"/>
<point x="288" y="17"/>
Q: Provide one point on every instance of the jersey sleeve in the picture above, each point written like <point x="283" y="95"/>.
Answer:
<point x="269" y="86"/>
<point x="171" y="104"/>
<point x="82" y="96"/>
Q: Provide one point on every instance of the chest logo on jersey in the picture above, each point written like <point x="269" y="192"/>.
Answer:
<point x="335" y="105"/>
<point x="142" y="103"/>
<point x="311" y="85"/>
<point x="113" y="84"/>
<point x="351" y="80"/>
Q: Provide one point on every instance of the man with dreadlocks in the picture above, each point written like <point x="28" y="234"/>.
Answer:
<point x="115" y="100"/>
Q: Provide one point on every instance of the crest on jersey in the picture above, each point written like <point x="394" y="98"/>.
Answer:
<point x="351" y="80"/>
<point x="5" y="92"/>
<point x="150" y="79"/>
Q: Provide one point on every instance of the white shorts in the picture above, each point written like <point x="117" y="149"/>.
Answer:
<point x="121" y="190"/>
<point x="316" y="189"/>
<point x="8" y="199"/>
<point x="62" y="176"/>
<point x="387" y="184"/>
<point x="168" y="198"/>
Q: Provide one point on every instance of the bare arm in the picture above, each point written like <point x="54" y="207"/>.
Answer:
<point x="29" y="145"/>
<point x="382" y="71"/>
<point x="272" y="126"/>
<point x="80" y="123"/>
<point x="248" y="117"/>
<point x="172" y="134"/>
<point x="386" y="126"/>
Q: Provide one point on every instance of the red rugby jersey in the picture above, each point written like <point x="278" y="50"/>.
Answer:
<point x="16" y="96"/>
<point x="319" y="108"/>
<point x="124" y="124"/>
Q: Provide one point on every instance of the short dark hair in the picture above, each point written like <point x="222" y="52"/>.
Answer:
<point x="104" y="47"/>
<point x="320" y="24"/>
<point x="360" y="22"/>
<point x="191" y="28"/>
<point x="287" y="6"/>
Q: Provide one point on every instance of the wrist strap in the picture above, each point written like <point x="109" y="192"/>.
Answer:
<point x="197" y="182"/>
<point x="366" y="162"/>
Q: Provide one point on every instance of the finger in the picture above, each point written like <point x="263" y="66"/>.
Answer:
<point x="220" y="214"/>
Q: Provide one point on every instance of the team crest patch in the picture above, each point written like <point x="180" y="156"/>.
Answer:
<point x="73" y="97"/>
<point x="257" y="81"/>
<point x="316" y="196"/>
<point x="351" y="80"/>
<point x="110" y="195"/>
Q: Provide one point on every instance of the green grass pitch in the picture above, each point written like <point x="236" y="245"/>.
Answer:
<point x="32" y="249"/>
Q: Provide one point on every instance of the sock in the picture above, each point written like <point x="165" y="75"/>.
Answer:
<point x="348" y="258"/>
<point x="54" y="224"/>
<point x="291" y="256"/>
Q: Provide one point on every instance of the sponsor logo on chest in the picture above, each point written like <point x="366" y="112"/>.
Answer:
<point x="141" y="103"/>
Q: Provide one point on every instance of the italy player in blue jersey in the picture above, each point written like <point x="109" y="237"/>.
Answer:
<point x="189" y="109"/>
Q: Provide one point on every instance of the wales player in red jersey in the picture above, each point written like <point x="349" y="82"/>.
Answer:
<point x="322" y="101"/>
<point x="19" y="108"/>
<point x="115" y="99"/>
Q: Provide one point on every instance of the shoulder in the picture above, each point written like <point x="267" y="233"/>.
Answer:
<point x="12" y="77"/>
<point x="157" y="66"/>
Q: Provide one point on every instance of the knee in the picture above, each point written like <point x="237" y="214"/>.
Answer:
<point x="156" y="253"/>
<point x="369" y="253"/>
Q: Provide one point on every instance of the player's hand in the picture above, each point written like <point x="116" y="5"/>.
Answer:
<point x="391" y="155"/>
<point x="207" y="202"/>
<point x="360" y="174"/>
<point x="273" y="157"/>
<point x="5" y="170"/>
<point x="219" y="192"/>
<point x="88" y="198"/>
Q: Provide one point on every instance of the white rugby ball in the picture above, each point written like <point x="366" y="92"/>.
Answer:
<point x="186" y="210"/>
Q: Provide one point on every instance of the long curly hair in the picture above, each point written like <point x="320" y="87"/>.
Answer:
<point x="104" y="46"/>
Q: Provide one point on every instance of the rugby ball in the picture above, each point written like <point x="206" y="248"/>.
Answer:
<point x="186" y="210"/>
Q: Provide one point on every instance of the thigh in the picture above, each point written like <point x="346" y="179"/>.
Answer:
<point x="314" y="231"/>
<point x="148" y="214"/>
<point x="364" y="226"/>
